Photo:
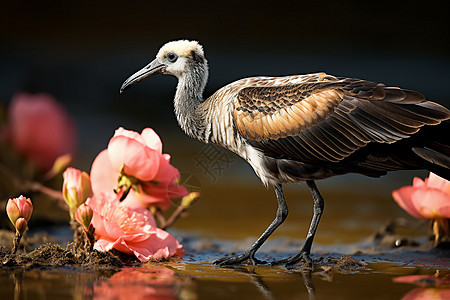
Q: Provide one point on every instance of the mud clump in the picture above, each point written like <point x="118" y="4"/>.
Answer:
<point x="344" y="264"/>
<point x="50" y="256"/>
<point x="348" y="263"/>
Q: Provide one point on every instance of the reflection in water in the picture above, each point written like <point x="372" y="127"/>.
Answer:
<point x="256" y="280"/>
<point x="17" y="277"/>
<point x="427" y="294"/>
<point x="190" y="281"/>
<point x="264" y="289"/>
<point x="196" y="279"/>
<point x="47" y="283"/>
<point x="307" y="280"/>
<point x="432" y="287"/>
<point x="147" y="282"/>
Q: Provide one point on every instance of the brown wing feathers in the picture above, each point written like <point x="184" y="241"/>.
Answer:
<point x="325" y="118"/>
<point x="259" y="114"/>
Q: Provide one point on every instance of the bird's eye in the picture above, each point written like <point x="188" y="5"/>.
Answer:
<point x="172" y="57"/>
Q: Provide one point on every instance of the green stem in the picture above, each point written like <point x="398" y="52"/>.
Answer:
<point x="161" y="219"/>
<point x="176" y="214"/>
<point x="16" y="243"/>
<point x="90" y="237"/>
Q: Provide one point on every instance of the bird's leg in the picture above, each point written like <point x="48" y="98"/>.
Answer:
<point x="306" y="249"/>
<point x="249" y="255"/>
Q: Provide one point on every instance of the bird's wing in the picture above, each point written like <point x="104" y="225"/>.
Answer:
<point x="326" y="118"/>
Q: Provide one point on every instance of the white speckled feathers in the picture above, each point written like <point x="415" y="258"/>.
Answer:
<point x="181" y="48"/>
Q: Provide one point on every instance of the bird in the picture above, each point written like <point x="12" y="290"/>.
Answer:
<point x="303" y="128"/>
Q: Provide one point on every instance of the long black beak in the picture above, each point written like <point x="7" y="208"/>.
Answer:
<point x="153" y="68"/>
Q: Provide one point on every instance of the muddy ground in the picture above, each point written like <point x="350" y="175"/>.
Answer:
<point x="41" y="251"/>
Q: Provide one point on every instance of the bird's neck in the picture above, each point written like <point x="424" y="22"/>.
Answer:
<point x="188" y="97"/>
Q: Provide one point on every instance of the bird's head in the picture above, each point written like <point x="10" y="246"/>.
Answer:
<point x="175" y="58"/>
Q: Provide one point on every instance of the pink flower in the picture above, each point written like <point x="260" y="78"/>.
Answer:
<point x="429" y="199"/>
<point x="131" y="231"/>
<point x="19" y="211"/>
<point x="20" y="207"/>
<point x="76" y="187"/>
<point x="136" y="161"/>
<point x="138" y="154"/>
<point x="40" y="128"/>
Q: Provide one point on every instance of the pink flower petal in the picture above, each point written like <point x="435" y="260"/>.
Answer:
<point x="403" y="197"/>
<point x="159" y="198"/>
<point x="25" y="207"/>
<point x="160" y="190"/>
<point x="103" y="176"/>
<point x="138" y="159"/>
<point x="163" y="188"/>
<point x="129" y="134"/>
<point x="12" y="210"/>
<point x="431" y="203"/>
<point x="152" y="139"/>
<point x="429" y="199"/>
<point x="134" y="201"/>
<point x="103" y="245"/>
<point x="129" y="231"/>
<point x="144" y="200"/>
<point x="105" y="214"/>
<point x="417" y="182"/>
<point x="167" y="172"/>
<point x="437" y="182"/>
<point x="160" y="244"/>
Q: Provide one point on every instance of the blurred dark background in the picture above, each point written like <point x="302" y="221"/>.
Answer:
<point x="82" y="51"/>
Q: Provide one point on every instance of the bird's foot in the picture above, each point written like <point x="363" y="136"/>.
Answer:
<point x="246" y="257"/>
<point x="293" y="260"/>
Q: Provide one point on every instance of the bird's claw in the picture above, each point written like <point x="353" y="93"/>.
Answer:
<point x="290" y="262"/>
<point x="239" y="259"/>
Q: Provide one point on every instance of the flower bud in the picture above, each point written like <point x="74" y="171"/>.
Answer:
<point x="84" y="215"/>
<point x="76" y="187"/>
<point x="20" y="207"/>
<point x="61" y="163"/>
<point x="187" y="200"/>
<point x="21" y="226"/>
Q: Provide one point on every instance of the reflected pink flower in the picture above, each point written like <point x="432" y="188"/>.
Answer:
<point x="424" y="280"/>
<point x="40" y="128"/>
<point x="147" y="282"/>
<point x="136" y="160"/>
<point x="131" y="231"/>
<point x="429" y="199"/>
<point x="432" y="287"/>
<point x="427" y="294"/>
